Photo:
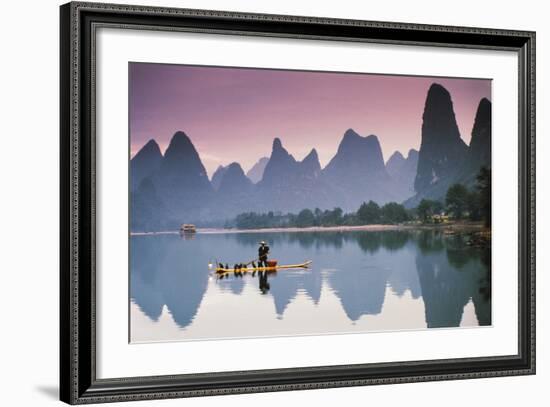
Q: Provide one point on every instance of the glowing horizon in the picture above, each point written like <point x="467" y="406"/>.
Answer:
<point x="233" y="114"/>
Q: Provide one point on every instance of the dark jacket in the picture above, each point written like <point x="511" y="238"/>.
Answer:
<point x="263" y="251"/>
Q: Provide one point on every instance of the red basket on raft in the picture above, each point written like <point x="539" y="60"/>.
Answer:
<point x="272" y="263"/>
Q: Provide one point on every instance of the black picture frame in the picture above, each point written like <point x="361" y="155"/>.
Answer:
<point x="78" y="381"/>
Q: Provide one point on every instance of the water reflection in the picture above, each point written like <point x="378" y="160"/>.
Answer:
<point x="162" y="274"/>
<point x="233" y="285"/>
<point x="362" y="270"/>
<point x="264" y="283"/>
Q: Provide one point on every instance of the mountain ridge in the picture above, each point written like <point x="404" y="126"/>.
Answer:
<point x="176" y="188"/>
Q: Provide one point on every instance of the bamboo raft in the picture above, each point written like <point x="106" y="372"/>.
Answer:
<point x="304" y="265"/>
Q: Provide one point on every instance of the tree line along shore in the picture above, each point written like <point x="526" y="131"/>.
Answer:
<point x="460" y="204"/>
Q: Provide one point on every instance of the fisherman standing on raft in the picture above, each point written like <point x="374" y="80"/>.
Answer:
<point x="263" y="250"/>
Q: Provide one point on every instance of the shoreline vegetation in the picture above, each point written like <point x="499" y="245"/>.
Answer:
<point x="477" y="234"/>
<point x="464" y="211"/>
<point x="449" y="228"/>
<point x="460" y="203"/>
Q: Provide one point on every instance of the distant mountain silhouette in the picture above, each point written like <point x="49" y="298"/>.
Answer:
<point x="444" y="158"/>
<point x="234" y="181"/>
<point x="403" y="173"/>
<point x="173" y="189"/>
<point x="234" y="194"/>
<point x="145" y="163"/>
<point x="217" y="177"/>
<point x="356" y="155"/>
<point x="288" y="184"/>
<point x="280" y="166"/>
<point x="480" y="145"/>
<point x="442" y="151"/>
<point x="256" y="173"/>
<point x="310" y="165"/>
<point x="182" y="163"/>
<point x="147" y="209"/>
<point x="357" y="172"/>
<point x="395" y="163"/>
<point x="179" y="189"/>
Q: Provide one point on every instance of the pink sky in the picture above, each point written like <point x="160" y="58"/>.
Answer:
<point x="233" y="114"/>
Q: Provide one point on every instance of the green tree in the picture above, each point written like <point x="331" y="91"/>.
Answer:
<point x="318" y="213"/>
<point x="474" y="205"/>
<point x="425" y="210"/>
<point x="334" y="217"/>
<point x="350" y="219"/>
<point x="305" y="218"/>
<point x="369" y="213"/>
<point x="393" y="212"/>
<point x="437" y="207"/>
<point x="337" y="215"/>
<point x="483" y="187"/>
<point x="457" y="200"/>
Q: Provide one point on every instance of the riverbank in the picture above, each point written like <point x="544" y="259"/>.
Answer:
<point x="450" y="228"/>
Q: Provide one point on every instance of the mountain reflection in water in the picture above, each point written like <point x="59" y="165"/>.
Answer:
<point x="359" y="282"/>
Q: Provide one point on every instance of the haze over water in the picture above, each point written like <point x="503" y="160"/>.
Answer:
<point x="359" y="282"/>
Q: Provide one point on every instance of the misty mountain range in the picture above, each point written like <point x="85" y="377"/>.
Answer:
<point x="171" y="189"/>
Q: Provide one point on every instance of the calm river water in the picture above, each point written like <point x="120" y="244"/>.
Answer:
<point x="358" y="282"/>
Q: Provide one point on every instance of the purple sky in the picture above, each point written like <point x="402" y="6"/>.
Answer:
<point x="233" y="114"/>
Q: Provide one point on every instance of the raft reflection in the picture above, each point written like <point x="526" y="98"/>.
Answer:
<point x="362" y="270"/>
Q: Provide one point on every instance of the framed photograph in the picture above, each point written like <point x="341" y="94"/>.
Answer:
<point x="255" y="203"/>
